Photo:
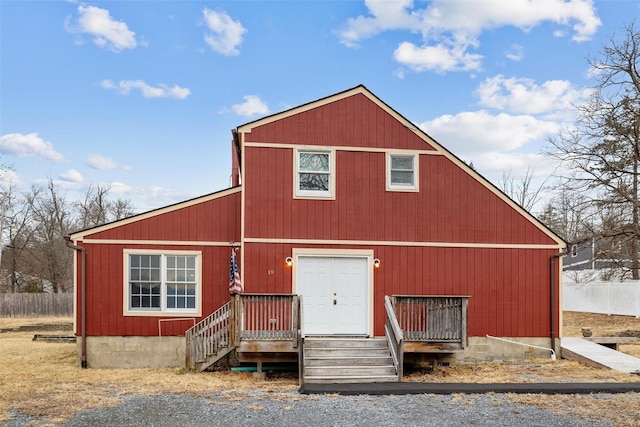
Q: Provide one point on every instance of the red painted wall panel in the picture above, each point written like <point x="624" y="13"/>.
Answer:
<point x="509" y="288"/>
<point x="450" y="206"/>
<point x="212" y="220"/>
<point x="105" y="288"/>
<point x="216" y="220"/>
<point x="353" y="121"/>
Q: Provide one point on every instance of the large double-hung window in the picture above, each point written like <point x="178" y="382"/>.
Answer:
<point x="160" y="283"/>
<point x="314" y="174"/>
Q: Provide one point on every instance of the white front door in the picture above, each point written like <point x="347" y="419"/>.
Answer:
<point x="335" y="294"/>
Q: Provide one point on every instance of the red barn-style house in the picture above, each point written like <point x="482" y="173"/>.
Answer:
<point x="349" y="227"/>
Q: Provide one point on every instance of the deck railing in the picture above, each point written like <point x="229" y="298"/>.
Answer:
<point x="432" y="318"/>
<point x="269" y="317"/>
<point x="208" y="336"/>
<point x="260" y="317"/>
<point x="424" y="319"/>
<point x="395" y="336"/>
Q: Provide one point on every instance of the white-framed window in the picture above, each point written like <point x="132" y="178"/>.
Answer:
<point x="402" y="172"/>
<point x="314" y="174"/>
<point x="574" y="250"/>
<point x="161" y="283"/>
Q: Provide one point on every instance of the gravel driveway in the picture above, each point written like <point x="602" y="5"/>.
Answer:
<point x="288" y="408"/>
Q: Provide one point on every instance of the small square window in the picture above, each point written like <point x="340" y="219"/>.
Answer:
<point x="402" y="172"/>
<point x="314" y="174"/>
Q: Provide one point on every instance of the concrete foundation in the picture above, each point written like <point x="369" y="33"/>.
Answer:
<point x="133" y="352"/>
<point x="169" y="352"/>
<point x="483" y="349"/>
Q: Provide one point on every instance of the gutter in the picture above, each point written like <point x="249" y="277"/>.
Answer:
<point x="552" y="273"/>
<point x="83" y="304"/>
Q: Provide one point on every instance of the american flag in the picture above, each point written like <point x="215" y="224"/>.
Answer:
<point x="235" y="284"/>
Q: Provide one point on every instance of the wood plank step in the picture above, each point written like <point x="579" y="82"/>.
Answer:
<point x="344" y="343"/>
<point x="348" y="361"/>
<point x="345" y="352"/>
<point x="349" y="371"/>
<point x="352" y="379"/>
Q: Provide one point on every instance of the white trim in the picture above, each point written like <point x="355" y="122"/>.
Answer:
<point x="329" y="194"/>
<point x="126" y="311"/>
<point x="340" y="253"/>
<point x="158" y="242"/>
<point x="80" y="234"/>
<point x="402" y="243"/>
<point x="415" y="160"/>
<point x="341" y="148"/>
<point x="243" y="195"/>
<point x="349" y="253"/>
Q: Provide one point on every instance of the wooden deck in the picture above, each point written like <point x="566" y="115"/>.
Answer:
<point x="593" y="354"/>
<point x="268" y="328"/>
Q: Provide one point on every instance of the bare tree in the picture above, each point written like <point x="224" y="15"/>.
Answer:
<point x="602" y="149"/>
<point x="36" y="257"/>
<point x="19" y="231"/>
<point x="523" y="192"/>
<point x="50" y="258"/>
<point x="96" y="208"/>
<point x="567" y="214"/>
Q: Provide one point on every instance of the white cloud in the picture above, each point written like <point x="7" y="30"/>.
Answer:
<point x="385" y="15"/>
<point x="450" y="28"/>
<point x="124" y="87"/>
<point x="63" y="184"/>
<point x="515" y="52"/>
<point x="225" y="34"/>
<point x="438" y="58"/>
<point x="107" y="32"/>
<point x="496" y="144"/>
<point x="72" y="175"/>
<point x="119" y="188"/>
<point x="252" y="105"/>
<point x="29" y="145"/>
<point x="97" y="161"/>
<point x="470" y="133"/>
<point x="9" y="178"/>
<point x="522" y="95"/>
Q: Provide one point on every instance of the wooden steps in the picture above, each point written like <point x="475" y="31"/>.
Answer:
<point x="348" y="360"/>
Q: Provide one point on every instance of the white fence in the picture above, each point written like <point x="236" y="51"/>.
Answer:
<point x="621" y="298"/>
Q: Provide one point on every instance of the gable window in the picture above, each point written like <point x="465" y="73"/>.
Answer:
<point x="158" y="283"/>
<point x="402" y="172"/>
<point x="314" y="174"/>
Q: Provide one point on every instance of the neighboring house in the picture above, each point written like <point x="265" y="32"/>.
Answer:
<point x="344" y="202"/>
<point x="599" y="253"/>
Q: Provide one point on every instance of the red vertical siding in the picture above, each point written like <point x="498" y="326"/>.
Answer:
<point x="213" y="220"/>
<point x="450" y="206"/>
<point x="501" y="297"/>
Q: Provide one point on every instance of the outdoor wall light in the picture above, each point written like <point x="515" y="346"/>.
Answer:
<point x="376" y="263"/>
<point x="289" y="261"/>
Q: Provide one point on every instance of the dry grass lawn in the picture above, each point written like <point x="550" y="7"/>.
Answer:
<point x="41" y="379"/>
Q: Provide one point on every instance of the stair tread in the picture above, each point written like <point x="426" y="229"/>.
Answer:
<point x="352" y="377"/>
<point x="343" y="360"/>
<point x="321" y="357"/>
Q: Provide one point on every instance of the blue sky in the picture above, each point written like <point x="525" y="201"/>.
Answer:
<point x="142" y="95"/>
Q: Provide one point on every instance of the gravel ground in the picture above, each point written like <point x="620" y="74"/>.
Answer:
<point x="259" y="408"/>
